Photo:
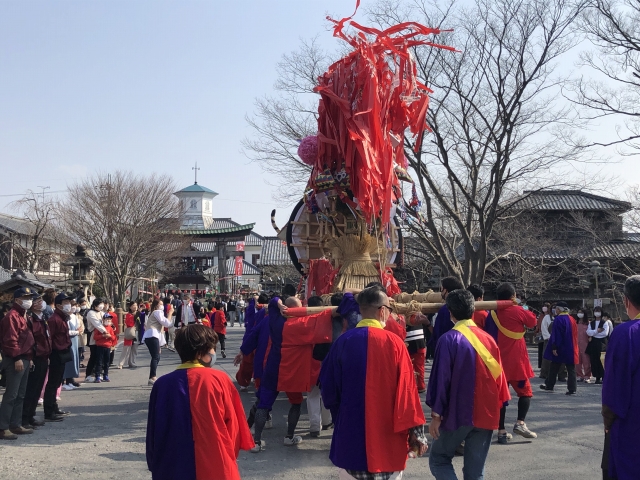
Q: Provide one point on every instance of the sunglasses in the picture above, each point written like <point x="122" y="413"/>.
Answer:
<point x="387" y="307"/>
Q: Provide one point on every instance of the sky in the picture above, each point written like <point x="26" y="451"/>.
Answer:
<point x="146" y="86"/>
<point x="150" y="86"/>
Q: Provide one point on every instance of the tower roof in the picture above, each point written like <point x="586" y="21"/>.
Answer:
<point x="195" y="188"/>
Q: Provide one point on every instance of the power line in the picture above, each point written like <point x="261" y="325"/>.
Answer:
<point x="23" y="194"/>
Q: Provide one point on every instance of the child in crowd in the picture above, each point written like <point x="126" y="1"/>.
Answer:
<point x="104" y="343"/>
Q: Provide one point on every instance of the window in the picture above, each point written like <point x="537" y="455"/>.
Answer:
<point x="194" y="204"/>
<point x="254" y="258"/>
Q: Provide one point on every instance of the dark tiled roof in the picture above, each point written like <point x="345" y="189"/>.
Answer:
<point x="253" y="239"/>
<point x="247" y="268"/>
<point x="216" y="231"/>
<point x="613" y="250"/>
<point x="274" y="252"/>
<point x="546" y="200"/>
<point x="15" y="224"/>
<point x="197" y="189"/>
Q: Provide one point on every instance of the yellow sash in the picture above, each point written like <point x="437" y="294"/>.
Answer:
<point x="492" y="364"/>
<point x="505" y="332"/>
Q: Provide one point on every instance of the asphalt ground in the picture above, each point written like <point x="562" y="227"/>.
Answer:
<point x="104" y="437"/>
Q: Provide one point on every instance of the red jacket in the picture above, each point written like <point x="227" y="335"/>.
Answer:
<point x="219" y="322"/>
<point x="59" y="331"/>
<point x="105" y="341"/>
<point x="40" y="331"/>
<point x="16" y="339"/>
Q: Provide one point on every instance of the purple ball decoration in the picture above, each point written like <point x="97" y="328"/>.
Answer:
<point x="308" y="149"/>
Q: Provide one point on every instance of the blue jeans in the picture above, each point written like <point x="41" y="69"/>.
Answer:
<point x="476" y="447"/>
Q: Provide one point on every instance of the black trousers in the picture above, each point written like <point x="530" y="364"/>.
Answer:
<point x="572" y="382"/>
<point x="91" y="364"/>
<point x="222" y="338"/>
<point x="153" y="344"/>
<point x="56" y="375"/>
<point x="540" y="353"/>
<point x="102" y="361"/>
<point x="597" y="370"/>
<point x="34" y="388"/>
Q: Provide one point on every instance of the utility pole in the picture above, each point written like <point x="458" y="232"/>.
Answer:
<point x="43" y="189"/>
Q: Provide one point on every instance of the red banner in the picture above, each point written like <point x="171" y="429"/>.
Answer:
<point x="238" y="269"/>
<point x="240" y="247"/>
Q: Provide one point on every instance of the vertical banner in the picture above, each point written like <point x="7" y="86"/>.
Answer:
<point x="240" y="247"/>
<point x="238" y="266"/>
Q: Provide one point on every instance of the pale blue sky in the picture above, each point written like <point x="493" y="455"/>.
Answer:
<point x="153" y="85"/>
<point x="145" y="85"/>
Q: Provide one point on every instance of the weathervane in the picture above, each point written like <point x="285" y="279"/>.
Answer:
<point x="196" y="171"/>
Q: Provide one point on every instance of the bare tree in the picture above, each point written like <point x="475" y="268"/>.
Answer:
<point x="282" y="120"/>
<point x="130" y="223"/>
<point x="613" y="88"/>
<point x="492" y="116"/>
<point x="40" y="215"/>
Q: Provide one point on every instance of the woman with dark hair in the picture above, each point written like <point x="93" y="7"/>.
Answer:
<point x="583" y="369"/>
<point x="153" y="336"/>
<point x="94" y="322"/>
<point x="598" y="331"/>
<point x="546" y="309"/>
<point x="130" y="346"/>
<point x="196" y="410"/>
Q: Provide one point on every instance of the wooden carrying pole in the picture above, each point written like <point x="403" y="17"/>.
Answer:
<point x="403" y="308"/>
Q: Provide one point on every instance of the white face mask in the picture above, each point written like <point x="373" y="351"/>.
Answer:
<point x="26" y="304"/>
<point x="213" y="360"/>
<point x="581" y="315"/>
<point x="597" y="314"/>
<point x="160" y="308"/>
<point x="66" y="308"/>
<point x="544" y="309"/>
<point x="101" y="307"/>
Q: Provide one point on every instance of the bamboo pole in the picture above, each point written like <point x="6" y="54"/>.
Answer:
<point x="403" y="308"/>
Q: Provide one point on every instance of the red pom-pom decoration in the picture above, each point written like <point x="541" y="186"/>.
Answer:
<point x="308" y="150"/>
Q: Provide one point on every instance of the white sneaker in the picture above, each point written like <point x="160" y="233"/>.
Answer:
<point x="66" y="387"/>
<point x="244" y="389"/>
<point x="151" y="381"/>
<point x="288" y="442"/>
<point x="40" y="401"/>
<point x="90" y="379"/>
<point x="269" y="423"/>
<point x="58" y="399"/>
<point x="258" y="447"/>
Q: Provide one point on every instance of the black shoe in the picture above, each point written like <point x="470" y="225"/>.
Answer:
<point x="35" y="423"/>
<point x="562" y="380"/>
<point x="571" y="393"/>
<point x="53" y="418"/>
<point x="224" y="355"/>
<point x="327" y="427"/>
<point x="598" y="382"/>
<point x="544" y="387"/>
<point x="62" y="413"/>
<point x="314" y="434"/>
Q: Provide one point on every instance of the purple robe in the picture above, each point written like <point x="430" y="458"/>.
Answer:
<point x="564" y="339"/>
<point x="621" y="393"/>
<point x="442" y="326"/>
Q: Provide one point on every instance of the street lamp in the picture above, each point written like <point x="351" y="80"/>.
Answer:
<point x="596" y="270"/>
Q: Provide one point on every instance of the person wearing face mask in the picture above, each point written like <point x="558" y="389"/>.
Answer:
<point x="153" y="336"/>
<point x="17" y="347"/>
<point x="583" y="369"/>
<point x="562" y="349"/>
<point x="94" y="322"/>
<point x="196" y="424"/>
<point x="38" y="373"/>
<point x="60" y="355"/>
<point x="72" y="368"/>
<point x="598" y="332"/>
<point x="621" y="392"/>
<point x="539" y="333"/>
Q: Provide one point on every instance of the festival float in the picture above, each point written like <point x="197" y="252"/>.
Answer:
<point x="346" y="230"/>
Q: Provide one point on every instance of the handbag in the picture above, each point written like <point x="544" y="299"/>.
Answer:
<point x="130" y="333"/>
<point x="65" y="355"/>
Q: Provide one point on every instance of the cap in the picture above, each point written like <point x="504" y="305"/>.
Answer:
<point x="24" y="292"/>
<point x="61" y="297"/>
<point x="562" y="305"/>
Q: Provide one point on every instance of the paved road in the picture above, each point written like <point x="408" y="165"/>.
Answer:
<point x="104" y="437"/>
